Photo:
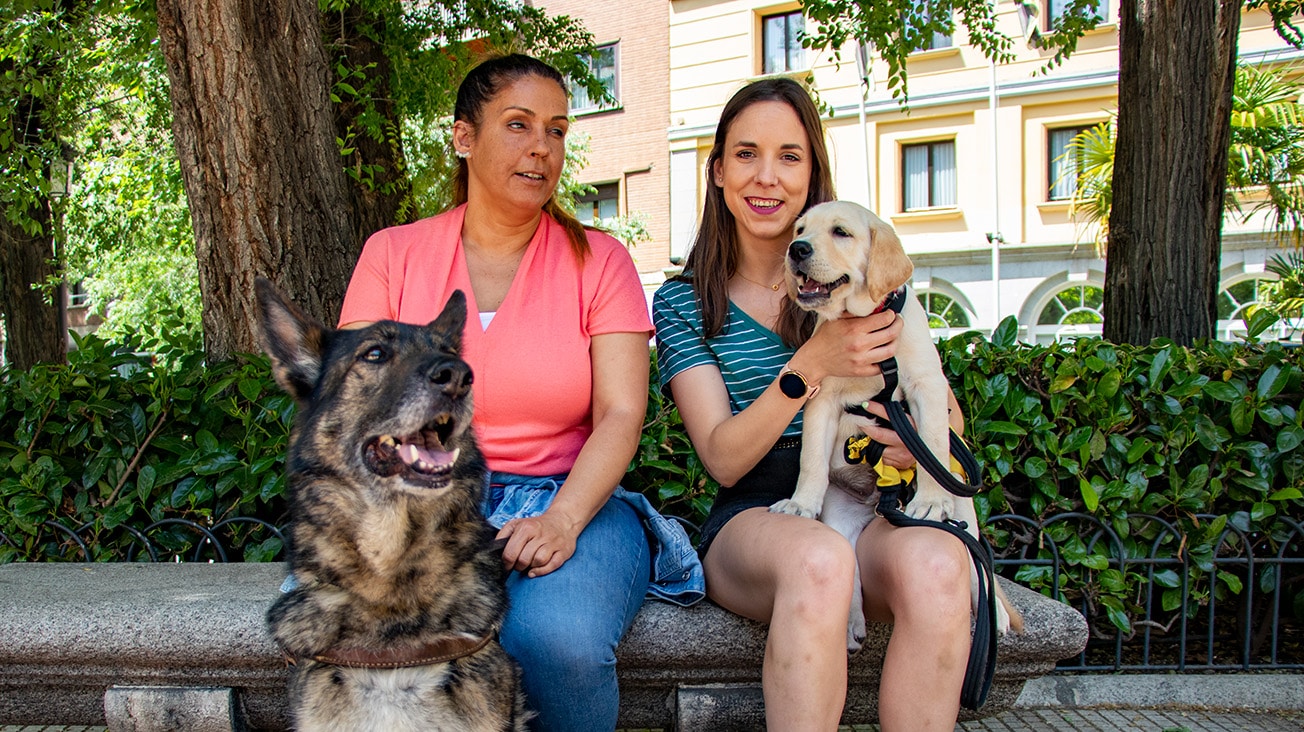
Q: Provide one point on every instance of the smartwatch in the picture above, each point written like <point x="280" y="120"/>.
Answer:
<point x="793" y="384"/>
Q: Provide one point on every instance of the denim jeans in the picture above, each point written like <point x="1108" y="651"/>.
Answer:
<point x="563" y="627"/>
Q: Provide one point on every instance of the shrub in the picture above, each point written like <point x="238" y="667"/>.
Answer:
<point x="1176" y="451"/>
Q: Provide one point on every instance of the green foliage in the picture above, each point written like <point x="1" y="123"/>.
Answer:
<point x="895" y="29"/>
<point x="119" y="438"/>
<point x="1201" y="439"/>
<point x="1151" y="443"/>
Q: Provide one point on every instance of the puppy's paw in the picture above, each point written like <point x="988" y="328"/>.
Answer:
<point x="1002" y="619"/>
<point x="855" y="631"/>
<point x="933" y="505"/>
<point x="793" y="508"/>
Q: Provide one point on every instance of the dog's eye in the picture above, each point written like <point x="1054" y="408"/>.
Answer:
<point x="375" y="354"/>
<point x="800" y="230"/>
<point x="839" y="231"/>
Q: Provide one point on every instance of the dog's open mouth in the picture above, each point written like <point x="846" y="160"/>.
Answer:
<point x="421" y="456"/>
<point x="811" y="291"/>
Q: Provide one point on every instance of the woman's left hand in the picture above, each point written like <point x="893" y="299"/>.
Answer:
<point x="538" y="544"/>
<point x="895" y="452"/>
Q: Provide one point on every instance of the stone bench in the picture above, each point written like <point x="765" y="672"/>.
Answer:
<point x="185" y="647"/>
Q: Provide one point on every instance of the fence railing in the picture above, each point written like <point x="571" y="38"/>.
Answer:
<point x="1238" y="607"/>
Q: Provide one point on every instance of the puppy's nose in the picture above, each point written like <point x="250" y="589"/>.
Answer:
<point x="800" y="250"/>
<point x="452" y="377"/>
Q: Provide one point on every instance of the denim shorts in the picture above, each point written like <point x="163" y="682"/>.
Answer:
<point x="772" y="479"/>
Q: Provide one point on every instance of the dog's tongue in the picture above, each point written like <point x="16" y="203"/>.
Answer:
<point x="811" y="286"/>
<point x="423" y="460"/>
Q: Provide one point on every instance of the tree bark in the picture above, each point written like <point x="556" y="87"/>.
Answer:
<point x="34" y="329"/>
<point x="1176" y="71"/>
<point x="255" y="133"/>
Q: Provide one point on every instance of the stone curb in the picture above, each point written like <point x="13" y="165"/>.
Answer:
<point x="1258" y="691"/>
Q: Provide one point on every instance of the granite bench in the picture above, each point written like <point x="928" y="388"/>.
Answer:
<point x="151" y="647"/>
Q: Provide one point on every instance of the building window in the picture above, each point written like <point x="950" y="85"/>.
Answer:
<point x="923" y="13"/>
<point x="602" y="203"/>
<point x="602" y="62"/>
<point x="1064" y="162"/>
<point x="1053" y="10"/>
<point x="78" y="297"/>
<point x="781" y="42"/>
<point x="928" y="175"/>
<point x="1075" y="311"/>
<point x="943" y="311"/>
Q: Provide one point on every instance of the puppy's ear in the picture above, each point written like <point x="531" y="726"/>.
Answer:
<point x="294" y="340"/>
<point x="888" y="267"/>
<point x="452" y="320"/>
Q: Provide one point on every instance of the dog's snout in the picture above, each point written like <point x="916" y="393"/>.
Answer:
<point x="452" y="377"/>
<point x="800" y="250"/>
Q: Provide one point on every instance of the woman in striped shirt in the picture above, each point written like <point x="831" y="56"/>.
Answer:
<point x="725" y="333"/>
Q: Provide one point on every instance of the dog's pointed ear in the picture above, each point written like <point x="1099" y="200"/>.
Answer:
<point x="295" y="341"/>
<point x="452" y="320"/>
<point x="888" y="266"/>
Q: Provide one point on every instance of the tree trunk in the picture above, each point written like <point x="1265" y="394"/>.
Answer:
<point x="255" y="133"/>
<point x="34" y="328"/>
<point x="1176" y="70"/>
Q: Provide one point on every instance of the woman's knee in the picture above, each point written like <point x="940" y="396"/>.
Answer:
<point x="821" y="566"/>
<point x="925" y="566"/>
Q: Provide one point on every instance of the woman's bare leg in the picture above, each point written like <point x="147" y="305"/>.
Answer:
<point x="795" y="574"/>
<point x="918" y="579"/>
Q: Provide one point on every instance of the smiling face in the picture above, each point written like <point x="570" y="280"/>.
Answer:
<point x="515" y="152"/>
<point x="764" y="172"/>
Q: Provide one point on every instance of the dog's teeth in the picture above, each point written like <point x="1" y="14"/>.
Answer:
<point x="408" y="453"/>
<point x="388" y="440"/>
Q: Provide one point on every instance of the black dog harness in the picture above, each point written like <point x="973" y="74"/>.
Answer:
<point x="894" y="487"/>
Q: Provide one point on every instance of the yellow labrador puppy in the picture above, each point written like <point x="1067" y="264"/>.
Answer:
<point x="846" y="261"/>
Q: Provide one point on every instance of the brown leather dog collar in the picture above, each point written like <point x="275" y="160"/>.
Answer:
<point x="448" y="647"/>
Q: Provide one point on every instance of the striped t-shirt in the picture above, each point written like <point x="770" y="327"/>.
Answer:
<point x="748" y="354"/>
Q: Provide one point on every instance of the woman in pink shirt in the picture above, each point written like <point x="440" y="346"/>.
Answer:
<point x="559" y="354"/>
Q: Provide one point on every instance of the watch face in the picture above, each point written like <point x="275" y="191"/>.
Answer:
<point x="792" y="385"/>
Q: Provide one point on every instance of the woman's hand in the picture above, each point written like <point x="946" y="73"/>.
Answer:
<point x="849" y="347"/>
<point x="539" y="544"/>
<point x="895" y="452"/>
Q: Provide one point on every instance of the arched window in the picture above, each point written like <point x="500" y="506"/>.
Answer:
<point x="1233" y="300"/>
<point x="943" y="311"/>
<point x="1073" y="312"/>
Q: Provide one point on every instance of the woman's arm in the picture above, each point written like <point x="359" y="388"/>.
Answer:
<point x="543" y="543"/>
<point x="729" y="444"/>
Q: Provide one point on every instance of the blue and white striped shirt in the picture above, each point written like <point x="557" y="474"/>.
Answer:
<point x="748" y="354"/>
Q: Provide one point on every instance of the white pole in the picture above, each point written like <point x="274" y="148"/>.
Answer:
<point x="995" y="238"/>
<point x="862" y="67"/>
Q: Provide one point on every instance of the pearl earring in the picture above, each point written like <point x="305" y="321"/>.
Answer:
<point x="463" y="154"/>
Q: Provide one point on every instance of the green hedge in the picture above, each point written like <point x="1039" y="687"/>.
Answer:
<point x="1205" y="438"/>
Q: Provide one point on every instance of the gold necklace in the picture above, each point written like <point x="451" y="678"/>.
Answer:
<point x="774" y="287"/>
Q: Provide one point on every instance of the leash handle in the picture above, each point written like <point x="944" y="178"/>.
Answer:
<point x="896" y="413"/>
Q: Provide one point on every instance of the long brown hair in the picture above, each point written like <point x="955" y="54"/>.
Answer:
<point x="481" y="85"/>
<point x="714" y="255"/>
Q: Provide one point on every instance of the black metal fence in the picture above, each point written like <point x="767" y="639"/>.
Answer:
<point x="1233" y="603"/>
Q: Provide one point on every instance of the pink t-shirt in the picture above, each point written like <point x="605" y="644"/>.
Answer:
<point x="533" y="375"/>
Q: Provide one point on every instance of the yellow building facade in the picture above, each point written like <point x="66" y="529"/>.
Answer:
<point x="968" y="175"/>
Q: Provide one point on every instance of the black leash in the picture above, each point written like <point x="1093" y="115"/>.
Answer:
<point x="981" y="667"/>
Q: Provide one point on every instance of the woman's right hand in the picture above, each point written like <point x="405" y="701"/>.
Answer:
<point x="849" y="347"/>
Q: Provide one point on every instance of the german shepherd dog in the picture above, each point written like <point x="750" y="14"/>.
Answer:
<point x="392" y="625"/>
